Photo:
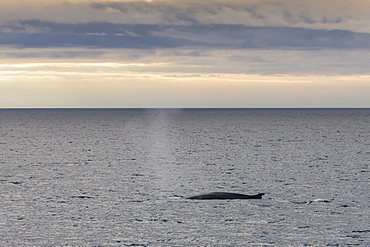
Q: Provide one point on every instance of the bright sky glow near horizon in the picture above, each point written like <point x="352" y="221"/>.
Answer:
<point x="134" y="54"/>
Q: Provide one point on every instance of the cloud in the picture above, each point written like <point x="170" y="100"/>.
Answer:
<point x="37" y="33"/>
<point x="53" y="54"/>
<point x="92" y="85"/>
<point x="250" y="36"/>
<point x="330" y="14"/>
<point x="199" y="61"/>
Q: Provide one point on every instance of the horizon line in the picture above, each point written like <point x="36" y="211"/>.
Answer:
<point x="176" y="108"/>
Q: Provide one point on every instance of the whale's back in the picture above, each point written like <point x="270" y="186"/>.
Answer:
<point x="225" y="196"/>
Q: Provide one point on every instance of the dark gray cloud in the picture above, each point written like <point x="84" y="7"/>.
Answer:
<point x="165" y="12"/>
<point x="40" y="34"/>
<point x="54" y="54"/>
<point x="315" y="14"/>
<point x="225" y="12"/>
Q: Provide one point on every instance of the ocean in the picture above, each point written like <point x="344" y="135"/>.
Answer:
<point x="120" y="177"/>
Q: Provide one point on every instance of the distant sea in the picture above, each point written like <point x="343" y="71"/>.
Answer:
<point x="119" y="177"/>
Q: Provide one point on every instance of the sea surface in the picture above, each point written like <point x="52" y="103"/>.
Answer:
<point x="120" y="177"/>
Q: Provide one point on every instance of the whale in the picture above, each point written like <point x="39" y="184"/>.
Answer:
<point x="225" y="196"/>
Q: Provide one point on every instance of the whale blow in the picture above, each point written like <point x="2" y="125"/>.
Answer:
<point x="225" y="196"/>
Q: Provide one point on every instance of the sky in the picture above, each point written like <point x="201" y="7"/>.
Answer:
<point x="184" y="53"/>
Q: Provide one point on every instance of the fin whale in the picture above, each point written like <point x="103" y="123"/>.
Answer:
<point x="225" y="196"/>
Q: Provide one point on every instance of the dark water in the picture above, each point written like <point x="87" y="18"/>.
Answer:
<point x="116" y="177"/>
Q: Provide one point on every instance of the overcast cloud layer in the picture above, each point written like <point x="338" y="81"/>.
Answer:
<point x="329" y="14"/>
<point x="194" y="30"/>
<point x="226" y="45"/>
<point x="36" y="33"/>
